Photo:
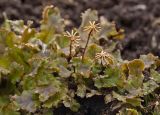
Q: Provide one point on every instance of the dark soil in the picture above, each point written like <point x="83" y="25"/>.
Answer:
<point x="140" y="19"/>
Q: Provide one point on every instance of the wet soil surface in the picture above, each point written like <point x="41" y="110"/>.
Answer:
<point x="140" y="19"/>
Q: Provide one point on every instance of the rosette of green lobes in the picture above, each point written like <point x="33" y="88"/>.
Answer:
<point x="51" y="24"/>
<point x="41" y="70"/>
<point x="135" y="78"/>
<point x="110" y="78"/>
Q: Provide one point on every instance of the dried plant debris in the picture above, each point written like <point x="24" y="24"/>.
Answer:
<point x="41" y="70"/>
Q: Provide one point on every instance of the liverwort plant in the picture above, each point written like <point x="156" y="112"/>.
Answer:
<point x="105" y="58"/>
<point x="91" y="28"/>
<point x="44" y="69"/>
<point x="74" y="42"/>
